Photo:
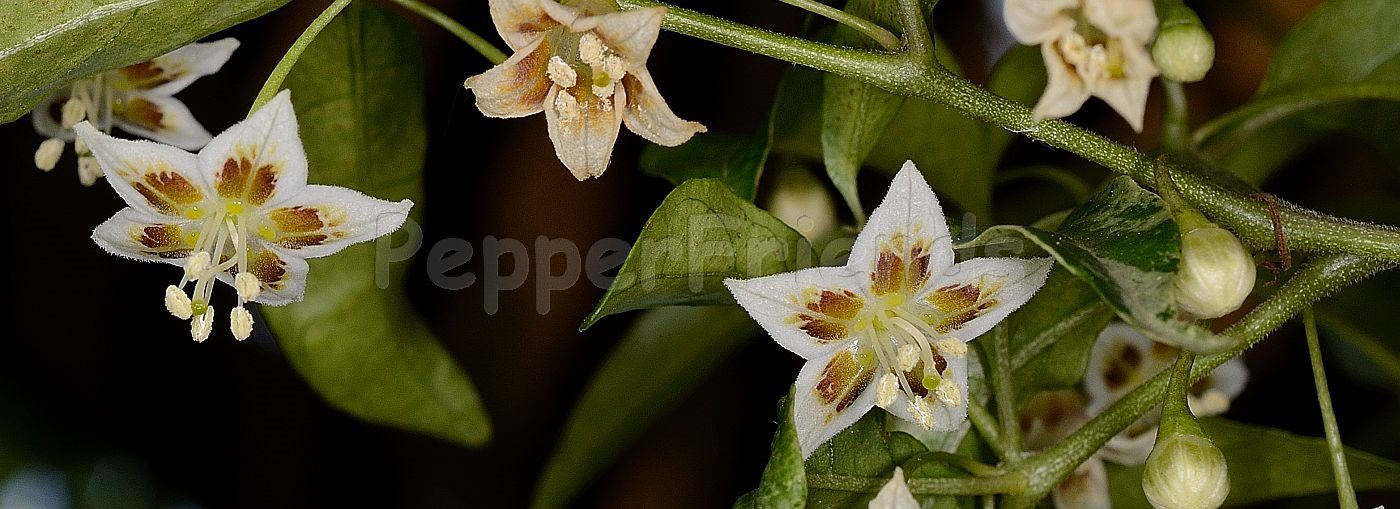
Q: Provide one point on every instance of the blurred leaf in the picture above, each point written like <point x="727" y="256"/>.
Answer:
<point x="959" y="155"/>
<point x="701" y="234"/>
<point x="358" y="94"/>
<point x="1051" y="336"/>
<point x="665" y="355"/>
<point x="44" y="45"/>
<point x="864" y="451"/>
<point x="1366" y="344"/>
<point x="1343" y="42"/>
<point x="1267" y="464"/>
<point x="784" y="483"/>
<point x="1124" y="244"/>
<point x="855" y="113"/>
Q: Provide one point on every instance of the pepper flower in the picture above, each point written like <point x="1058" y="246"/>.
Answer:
<point x="1091" y="48"/>
<point x="138" y="98"/>
<point x="890" y="328"/>
<point x="239" y="211"/>
<point x="585" y="67"/>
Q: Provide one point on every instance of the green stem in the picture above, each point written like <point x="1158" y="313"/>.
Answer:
<point x="1005" y="393"/>
<point x="866" y="27"/>
<point x="482" y="46"/>
<point x="1176" y="131"/>
<point x="987" y="427"/>
<point x="1011" y="482"/>
<point x="1228" y="131"/>
<point x="914" y="72"/>
<point x="1176" y="413"/>
<point x="1346" y="496"/>
<point x="1314" y="281"/>
<point x="279" y="73"/>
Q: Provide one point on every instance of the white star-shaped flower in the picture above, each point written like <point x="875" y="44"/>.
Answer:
<point x="585" y="67"/>
<point x="1091" y="47"/>
<point x="889" y="328"/>
<point x="239" y="211"/>
<point x="138" y="98"/>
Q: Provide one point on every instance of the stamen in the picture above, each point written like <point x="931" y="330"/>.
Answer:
<point x="201" y="326"/>
<point x="951" y="347"/>
<point x="88" y="171"/>
<point x="561" y="73"/>
<point x="177" y="303"/>
<point x="50" y="151"/>
<point x="196" y="265"/>
<point x="908" y="356"/>
<point x="73" y="112"/>
<point x="948" y="394"/>
<point x="884" y="393"/>
<point x="591" y="49"/>
<point x="248" y="286"/>
<point x="241" y="323"/>
<point x="567" y="107"/>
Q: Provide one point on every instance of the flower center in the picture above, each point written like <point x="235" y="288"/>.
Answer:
<point x="584" y="61"/>
<point x="220" y="246"/>
<point x="912" y="357"/>
<point x="1091" y="51"/>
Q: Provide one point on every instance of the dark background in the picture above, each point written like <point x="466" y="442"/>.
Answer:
<point x="96" y="377"/>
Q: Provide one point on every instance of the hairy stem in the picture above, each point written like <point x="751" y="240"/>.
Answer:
<point x="284" y="67"/>
<point x="1346" y="496"/>
<point x="486" y="49"/>
<point x="987" y="427"/>
<point x="1176" y="131"/>
<point x="1005" y="393"/>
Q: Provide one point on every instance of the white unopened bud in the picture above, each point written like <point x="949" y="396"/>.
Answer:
<point x="88" y="170"/>
<point x="1185" y="471"/>
<point x="1184" y="51"/>
<point x="886" y="390"/>
<point x="197" y="264"/>
<point x="201" y="326"/>
<point x="177" y="303"/>
<point x="1216" y="273"/>
<point x="247" y="285"/>
<point x="74" y="111"/>
<point x="50" y="151"/>
<point x="240" y="321"/>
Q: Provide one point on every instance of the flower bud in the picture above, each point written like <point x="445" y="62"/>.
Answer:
<point x="1184" y="51"/>
<point x="1216" y="273"/>
<point x="1185" y="471"/>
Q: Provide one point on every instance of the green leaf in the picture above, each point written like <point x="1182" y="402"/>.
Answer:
<point x="855" y="113"/>
<point x="1051" y="336"/>
<point x="1267" y="464"/>
<point x="44" y="45"/>
<point x="784" y="483"/>
<point x="700" y="235"/>
<point x="735" y="160"/>
<point x="1344" y="51"/>
<point x="1124" y="244"/>
<point x="864" y="451"/>
<point x="664" y="356"/>
<point x="357" y="91"/>
<point x="959" y="155"/>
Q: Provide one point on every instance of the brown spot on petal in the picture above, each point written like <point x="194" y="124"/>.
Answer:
<point x="141" y="112"/>
<point x="918" y="268"/>
<point x="300" y="241"/>
<point x="888" y="276"/>
<point x="954" y="297"/>
<point x="146" y="75"/>
<point x="842" y="305"/>
<point x="824" y="331"/>
<point x="175" y="187"/>
<point x="915" y="376"/>
<point x="159" y="236"/>
<point x="842" y="381"/>
<point x="264" y="184"/>
<point x="296" y="219"/>
<point x="957" y="320"/>
<point x="269" y="269"/>
<point x="155" y="199"/>
<point x="238" y="180"/>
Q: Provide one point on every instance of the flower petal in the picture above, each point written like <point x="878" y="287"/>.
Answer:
<point x="631" y="33"/>
<point x="584" y="127"/>
<point x="161" y="118"/>
<point x="150" y="177"/>
<point x="831" y="395"/>
<point x="1131" y="447"/>
<point x="806" y="311"/>
<point x="259" y="160"/>
<point x="47" y="117"/>
<point x="1064" y="92"/>
<point x="650" y="117"/>
<point x="894" y="494"/>
<point x="172" y="72"/>
<point x="1132" y="20"/>
<point x="974" y="295"/>
<point x="906" y="239"/>
<point x="1037" y="21"/>
<point x="518" y="86"/>
<point x="1086" y="488"/>
<point x="945" y="418"/>
<point x="321" y="220"/>
<point x="139" y="235"/>
<point x="1122" y="358"/>
<point x="1128" y="94"/>
<point x="522" y="22"/>
<point x="281" y="273"/>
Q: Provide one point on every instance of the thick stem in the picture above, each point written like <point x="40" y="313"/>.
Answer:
<point x="486" y="49"/>
<point x="1346" y="496"/>
<point x="1011" y="482"/>
<point x="284" y="67"/>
